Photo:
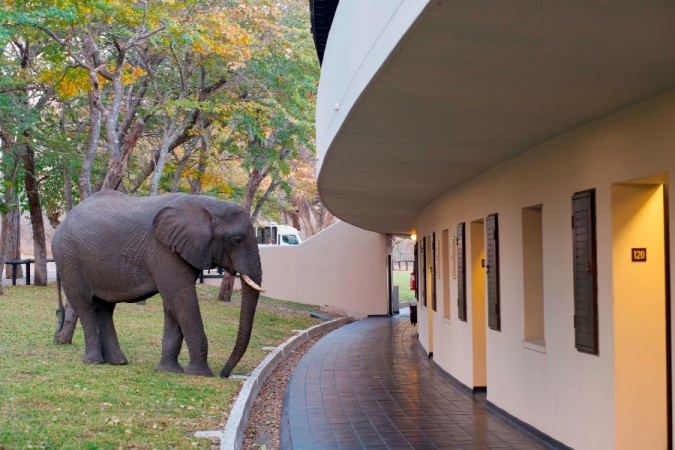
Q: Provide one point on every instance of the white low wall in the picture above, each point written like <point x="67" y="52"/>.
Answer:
<point x="343" y="267"/>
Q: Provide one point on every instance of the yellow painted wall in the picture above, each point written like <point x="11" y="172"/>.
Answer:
<point x="639" y="317"/>
<point x="478" y="303"/>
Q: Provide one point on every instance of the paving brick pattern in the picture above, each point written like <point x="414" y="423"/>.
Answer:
<point x="368" y="386"/>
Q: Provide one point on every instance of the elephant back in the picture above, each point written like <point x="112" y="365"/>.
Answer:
<point x="108" y="232"/>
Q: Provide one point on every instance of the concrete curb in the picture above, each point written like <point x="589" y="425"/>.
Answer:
<point x="232" y="436"/>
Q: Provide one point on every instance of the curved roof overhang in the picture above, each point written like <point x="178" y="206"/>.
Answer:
<point x="470" y="85"/>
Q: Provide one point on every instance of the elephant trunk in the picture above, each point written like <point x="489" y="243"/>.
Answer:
<point x="249" y="301"/>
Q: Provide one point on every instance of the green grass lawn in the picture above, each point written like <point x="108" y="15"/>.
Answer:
<point x="402" y="279"/>
<point x="50" y="399"/>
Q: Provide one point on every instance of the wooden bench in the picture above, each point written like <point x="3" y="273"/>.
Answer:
<point x="27" y="262"/>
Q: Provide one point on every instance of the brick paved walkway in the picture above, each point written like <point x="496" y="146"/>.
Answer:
<point x="367" y="385"/>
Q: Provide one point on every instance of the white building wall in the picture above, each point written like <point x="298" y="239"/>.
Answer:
<point x="343" y="267"/>
<point x="564" y="393"/>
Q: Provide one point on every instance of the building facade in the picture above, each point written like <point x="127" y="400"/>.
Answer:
<point x="530" y="147"/>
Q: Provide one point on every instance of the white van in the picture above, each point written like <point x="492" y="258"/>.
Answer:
<point x="271" y="233"/>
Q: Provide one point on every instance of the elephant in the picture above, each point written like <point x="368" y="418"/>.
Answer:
<point x="114" y="248"/>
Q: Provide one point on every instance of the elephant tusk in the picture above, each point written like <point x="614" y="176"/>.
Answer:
<point x="251" y="283"/>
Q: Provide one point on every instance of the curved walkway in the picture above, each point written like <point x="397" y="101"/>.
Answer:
<point x="367" y="385"/>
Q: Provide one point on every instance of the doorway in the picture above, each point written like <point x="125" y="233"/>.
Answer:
<point x="478" y="307"/>
<point x="641" y="327"/>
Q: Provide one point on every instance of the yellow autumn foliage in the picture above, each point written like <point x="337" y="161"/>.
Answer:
<point x="131" y="73"/>
<point x="211" y="181"/>
<point x="75" y="80"/>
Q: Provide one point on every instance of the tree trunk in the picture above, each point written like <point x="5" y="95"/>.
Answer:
<point x="67" y="190"/>
<point x="11" y="167"/>
<point x="3" y="234"/>
<point x="84" y="182"/>
<point x="118" y="164"/>
<point x="304" y="214"/>
<point x="174" y="135"/>
<point x="295" y="220"/>
<point x="146" y="172"/>
<point x="255" y="179"/>
<point x="13" y="239"/>
<point x="173" y="141"/>
<point x="226" y="288"/>
<point x="259" y="204"/>
<point x="53" y="211"/>
<point x="37" y="223"/>
<point x="182" y="164"/>
<point x="159" y="169"/>
<point x="196" y="182"/>
<point x="328" y="219"/>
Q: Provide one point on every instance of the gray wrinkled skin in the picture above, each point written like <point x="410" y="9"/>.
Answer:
<point x="112" y="248"/>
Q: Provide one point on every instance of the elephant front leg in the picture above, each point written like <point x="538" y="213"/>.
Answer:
<point x="172" y="341"/>
<point x="195" y="338"/>
<point x="181" y="307"/>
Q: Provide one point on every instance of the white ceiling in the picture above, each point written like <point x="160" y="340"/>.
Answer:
<point x="473" y="84"/>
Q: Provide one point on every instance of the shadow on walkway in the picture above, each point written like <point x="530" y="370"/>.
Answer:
<point x="367" y="385"/>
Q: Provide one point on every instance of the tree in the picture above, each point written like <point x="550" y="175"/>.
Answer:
<point x="22" y="102"/>
<point x="10" y="165"/>
<point x="188" y="68"/>
<point x="273" y="115"/>
<point x="101" y="48"/>
<point x="212" y="97"/>
<point x="303" y="204"/>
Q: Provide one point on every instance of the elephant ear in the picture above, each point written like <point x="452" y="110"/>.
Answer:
<point x="186" y="228"/>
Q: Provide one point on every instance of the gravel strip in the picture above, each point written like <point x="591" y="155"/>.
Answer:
<point x="262" y="430"/>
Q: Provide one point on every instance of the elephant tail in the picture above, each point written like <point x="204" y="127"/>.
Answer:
<point x="61" y="310"/>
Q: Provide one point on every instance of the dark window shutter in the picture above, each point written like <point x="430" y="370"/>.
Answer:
<point x="492" y="229"/>
<point x="433" y="271"/>
<point x="585" y="281"/>
<point x="424" y="271"/>
<point x="461" y="273"/>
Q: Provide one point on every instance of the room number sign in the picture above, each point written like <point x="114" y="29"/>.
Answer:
<point x="639" y="254"/>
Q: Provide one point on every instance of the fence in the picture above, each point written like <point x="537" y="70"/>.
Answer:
<point x="403" y="265"/>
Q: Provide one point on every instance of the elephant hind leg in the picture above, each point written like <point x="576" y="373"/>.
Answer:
<point x="92" y="342"/>
<point x="172" y="342"/>
<point x="110" y="347"/>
